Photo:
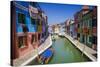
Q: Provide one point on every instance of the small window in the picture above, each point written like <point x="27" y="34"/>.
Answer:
<point x="33" y="21"/>
<point x="21" y="18"/>
<point x="85" y="23"/>
<point x="25" y="29"/>
<point x="39" y="22"/>
<point x="78" y="25"/>
<point x="90" y="39"/>
<point x="20" y="42"/>
<point x="33" y="39"/>
<point x="43" y="35"/>
<point x="38" y="36"/>
<point x="89" y="23"/>
<point x="94" y="23"/>
<point x="78" y="35"/>
<point x="94" y="41"/>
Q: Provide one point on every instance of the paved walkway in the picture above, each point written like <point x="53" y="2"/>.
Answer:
<point x="33" y="54"/>
<point x="82" y="47"/>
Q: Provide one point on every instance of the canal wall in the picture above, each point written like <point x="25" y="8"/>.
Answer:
<point x="33" y="54"/>
<point x="82" y="47"/>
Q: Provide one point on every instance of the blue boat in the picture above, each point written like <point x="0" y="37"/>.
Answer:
<point x="46" y="56"/>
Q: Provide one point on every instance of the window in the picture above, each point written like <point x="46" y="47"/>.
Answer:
<point x="89" y="23"/>
<point x="94" y="41"/>
<point x="94" y="23"/>
<point x="33" y="39"/>
<point x="38" y="21"/>
<point x="85" y="23"/>
<point x="38" y="36"/>
<point x="78" y="35"/>
<point x="78" y="25"/>
<point x="33" y="21"/>
<point x="20" y="42"/>
<point x="90" y="39"/>
<point x="83" y="38"/>
<point x="21" y="18"/>
<point x="81" y="24"/>
<point x="25" y="29"/>
<point x="42" y="35"/>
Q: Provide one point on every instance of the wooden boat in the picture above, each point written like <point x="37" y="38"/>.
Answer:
<point x="45" y="57"/>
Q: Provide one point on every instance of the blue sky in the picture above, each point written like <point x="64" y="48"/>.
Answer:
<point x="58" y="13"/>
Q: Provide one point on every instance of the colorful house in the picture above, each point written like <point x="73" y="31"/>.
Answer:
<point x="86" y="26"/>
<point x="76" y="24"/>
<point x="28" y="26"/>
<point x="67" y="26"/>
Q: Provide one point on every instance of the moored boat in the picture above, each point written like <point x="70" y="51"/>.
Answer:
<point x="45" y="57"/>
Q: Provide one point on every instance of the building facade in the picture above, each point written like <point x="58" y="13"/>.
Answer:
<point x="72" y="28"/>
<point x="76" y="23"/>
<point x="56" y="29"/>
<point x="67" y="26"/>
<point x="85" y="25"/>
<point x="87" y="28"/>
<point x="29" y="28"/>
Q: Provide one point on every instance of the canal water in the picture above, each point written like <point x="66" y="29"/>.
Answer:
<point x="65" y="52"/>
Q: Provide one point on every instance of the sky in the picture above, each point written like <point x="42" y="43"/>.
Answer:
<point x="58" y="13"/>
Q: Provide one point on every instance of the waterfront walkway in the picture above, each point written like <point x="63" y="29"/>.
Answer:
<point x="82" y="47"/>
<point x="33" y="54"/>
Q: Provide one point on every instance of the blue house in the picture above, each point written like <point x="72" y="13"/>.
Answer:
<point x="28" y="27"/>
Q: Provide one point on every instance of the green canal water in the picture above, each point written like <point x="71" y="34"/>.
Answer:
<point x="64" y="52"/>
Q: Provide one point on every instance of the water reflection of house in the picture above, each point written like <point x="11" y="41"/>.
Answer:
<point x="29" y="28"/>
